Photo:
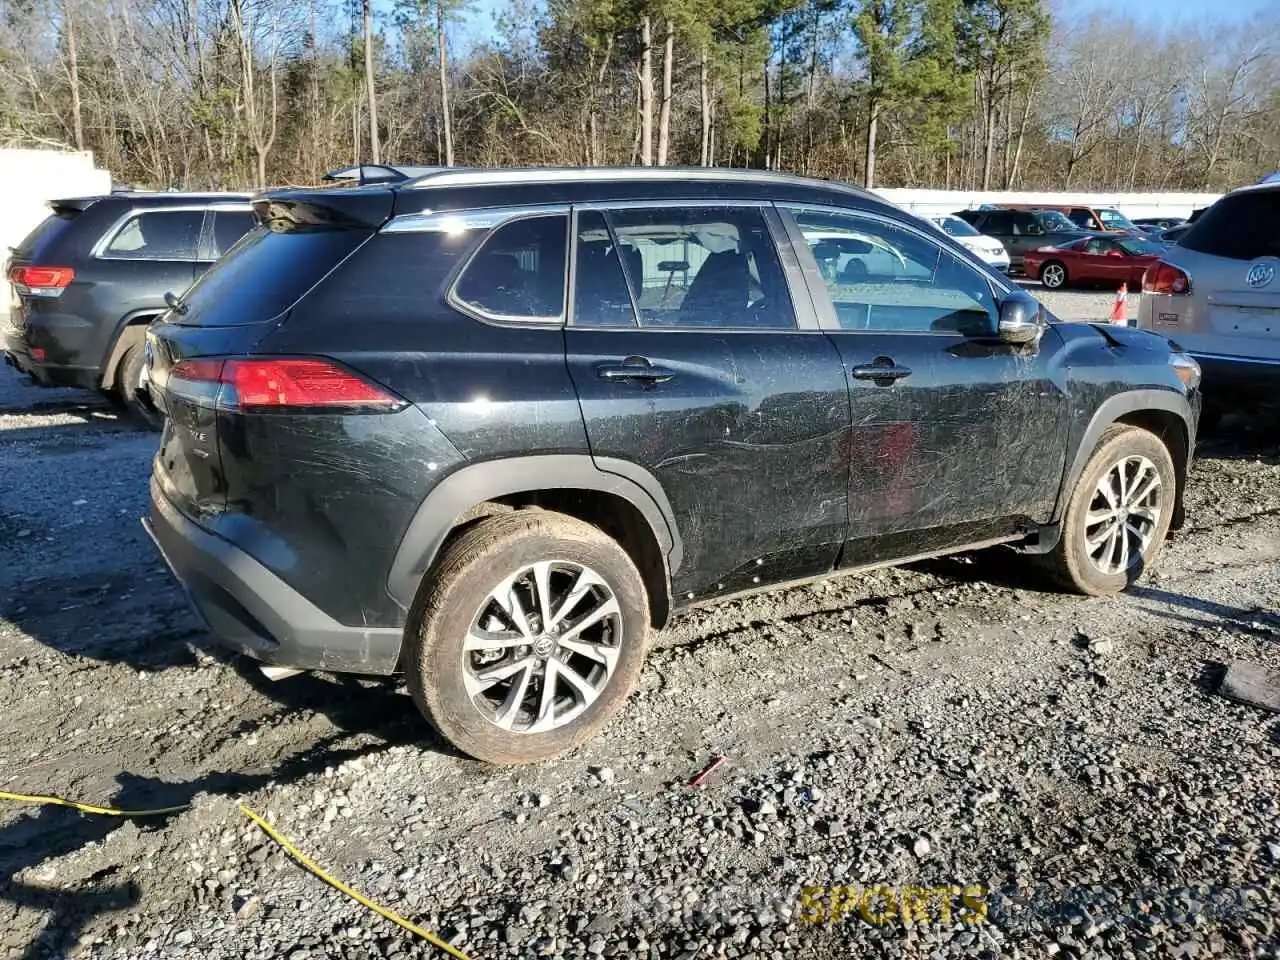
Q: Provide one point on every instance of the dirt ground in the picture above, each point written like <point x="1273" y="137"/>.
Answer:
<point x="1065" y="763"/>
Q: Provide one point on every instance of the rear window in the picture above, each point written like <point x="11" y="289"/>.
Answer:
<point x="265" y="275"/>
<point x="1241" y="226"/>
<point x="50" y="228"/>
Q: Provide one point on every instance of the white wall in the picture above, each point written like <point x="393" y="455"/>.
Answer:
<point x="29" y="179"/>
<point x="934" y="202"/>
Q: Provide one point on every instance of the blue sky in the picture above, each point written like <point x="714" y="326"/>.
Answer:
<point x="479" y="23"/>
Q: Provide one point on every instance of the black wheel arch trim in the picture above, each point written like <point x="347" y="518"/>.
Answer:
<point x="478" y="482"/>
<point x="125" y="338"/>
<point x="1112" y="410"/>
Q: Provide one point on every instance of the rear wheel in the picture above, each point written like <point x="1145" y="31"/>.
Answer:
<point x="128" y="380"/>
<point x="1118" y="515"/>
<point x="532" y="632"/>
<point x="1054" y="275"/>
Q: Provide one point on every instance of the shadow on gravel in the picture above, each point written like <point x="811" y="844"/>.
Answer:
<point x="998" y="566"/>
<point x="356" y="707"/>
<point x="104" y="422"/>
<point x="1255" y="622"/>
<point x="1243" y="436"/>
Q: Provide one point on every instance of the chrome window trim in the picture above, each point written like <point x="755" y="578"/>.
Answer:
<point x="98" y="251"/>
<point x="472" y="218"/>
<point x="509" y="215"/>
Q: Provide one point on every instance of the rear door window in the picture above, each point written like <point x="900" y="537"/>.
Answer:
<point x="158" y="235"/>
<point x="698" y="266"/>
<point x="1240" y="226"/>
<point x="998" y="223"/>
<point x="519" y="271"/>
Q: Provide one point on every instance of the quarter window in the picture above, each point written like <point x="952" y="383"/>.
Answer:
<point x="228" y="227"/>
<point x="518" y="272"/>
<point x="160" y="235"/>
<point x="694" y="267"/>
<point x="885" y="278"/>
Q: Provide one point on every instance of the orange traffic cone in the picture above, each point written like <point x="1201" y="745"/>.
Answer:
<point x="1120" y="309"/>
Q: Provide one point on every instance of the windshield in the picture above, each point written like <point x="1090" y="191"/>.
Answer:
<point x="1055" y="222"/>
<point x="1115" y="220"/>
<point x="956" y="227"/>
<point x="1140" y="248"/>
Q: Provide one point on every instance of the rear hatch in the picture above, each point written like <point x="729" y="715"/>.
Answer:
<point x="1232" y="254"/>
<point x="194" y="347"/>
<point x="48" y="245"/>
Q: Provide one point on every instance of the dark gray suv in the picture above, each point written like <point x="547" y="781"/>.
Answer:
<point x="1022" y="231"/>
<point x="88" y="280"/>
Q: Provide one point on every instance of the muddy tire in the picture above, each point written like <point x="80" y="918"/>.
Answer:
<point x="528" y="636"/>
<point x="135" y="403"/>
<point x="1118" y="515"/>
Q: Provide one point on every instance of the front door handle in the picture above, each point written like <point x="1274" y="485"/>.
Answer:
<point x="882" y="370"/>
<point x="634" y="368"/>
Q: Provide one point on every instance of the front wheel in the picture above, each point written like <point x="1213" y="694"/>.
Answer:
<point x="1053" y="275"/>
<point x="1118" y="515"/>
<point x="531" y="635"/>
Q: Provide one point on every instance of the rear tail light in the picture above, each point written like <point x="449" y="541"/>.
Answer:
<point x="278" y="384"/>
<point x="41" y="281"/>
<point x="1163" y="277"/>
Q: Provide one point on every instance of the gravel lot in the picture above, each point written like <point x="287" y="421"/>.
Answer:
<point x="951" y="724"/>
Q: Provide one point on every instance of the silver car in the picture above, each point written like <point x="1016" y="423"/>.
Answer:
<point x="1217" y="294"/>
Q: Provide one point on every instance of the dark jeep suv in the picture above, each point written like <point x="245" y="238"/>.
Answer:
<point x="492" y="428"/>
<point x="88" y="280"/>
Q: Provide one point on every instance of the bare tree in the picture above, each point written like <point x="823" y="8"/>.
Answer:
<point x="375" y="147"/>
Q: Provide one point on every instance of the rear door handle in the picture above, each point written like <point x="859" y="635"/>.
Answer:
<point x="634" y="368"/>
<point x="883" y="370"/>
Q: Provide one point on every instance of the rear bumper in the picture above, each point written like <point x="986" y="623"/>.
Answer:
<point x="1230" y="378"/>
<point x="17" y="354"/>
<point x="249" y="609"/>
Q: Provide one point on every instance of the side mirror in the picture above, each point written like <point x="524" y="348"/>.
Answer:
<point x="1021" y="319"/>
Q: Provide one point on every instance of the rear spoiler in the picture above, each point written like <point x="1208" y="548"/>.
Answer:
<point x="289" y="210"/>
<point x="72" y="205"/>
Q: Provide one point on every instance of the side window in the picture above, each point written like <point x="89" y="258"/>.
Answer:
<point x="883" y="277"/>
<point x="228" y="227"/>
<point x="998" y="223"/>
<point x="1097" y="246"/>
<point x="1026" y="225"/>
<point x="600" y="294"/>
<point x="160" y="235"/>
<point x="702" y="267"/>
<point x="1081" y="218"/>
<point x="518" y="272"/>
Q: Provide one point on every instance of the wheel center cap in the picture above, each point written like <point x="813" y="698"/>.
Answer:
<point x="543" y="646"/>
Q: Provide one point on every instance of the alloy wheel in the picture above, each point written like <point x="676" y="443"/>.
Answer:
<point x="1053" y="276"/>
<point x="542" y="647"/>
<point x="1123" y="515"/>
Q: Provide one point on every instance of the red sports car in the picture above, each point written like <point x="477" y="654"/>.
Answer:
<point x="1107" y="260"/>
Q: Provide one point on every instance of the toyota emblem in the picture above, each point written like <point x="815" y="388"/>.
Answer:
<point x="1260" y="274"/>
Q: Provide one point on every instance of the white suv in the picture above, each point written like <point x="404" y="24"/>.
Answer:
<point x="1217" y="293"/>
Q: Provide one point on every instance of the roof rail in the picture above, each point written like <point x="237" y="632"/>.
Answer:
<point x="475" y="176"/>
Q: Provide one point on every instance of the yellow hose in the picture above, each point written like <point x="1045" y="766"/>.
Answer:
<point x="306" y="862"/>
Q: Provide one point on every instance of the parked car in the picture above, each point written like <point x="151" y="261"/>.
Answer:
<point x="1020" y="231"/>
<point x="87" y="281"/>
<point x="1174" y="235"/>
<point x="491" y="428"/>
<point x="1092" y="219"/>
<point x="1217" y="293"/>
<point x="1162" y="223"/>
<point x="1093" y="260"/>
<point x="988" y="249"/>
